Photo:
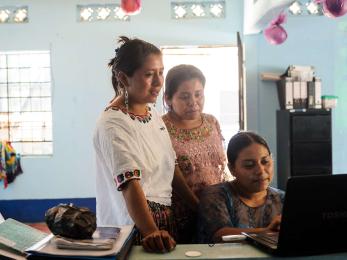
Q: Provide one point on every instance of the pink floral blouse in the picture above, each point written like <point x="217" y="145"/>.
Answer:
<point x="202" y="160"/>
<point x="199" y="152"/>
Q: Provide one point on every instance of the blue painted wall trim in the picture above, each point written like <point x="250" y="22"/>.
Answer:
<point x="32" y="211"/>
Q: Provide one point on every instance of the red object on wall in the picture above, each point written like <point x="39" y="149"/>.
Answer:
<point x="275" y="34"/>
<point x="334" y="8"/>
<point x="131" y="7"/>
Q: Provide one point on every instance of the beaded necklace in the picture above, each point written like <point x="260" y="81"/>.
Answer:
<point x="141" y="118"/>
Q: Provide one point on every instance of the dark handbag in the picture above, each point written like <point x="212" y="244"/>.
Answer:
<point x="71" y="221"/>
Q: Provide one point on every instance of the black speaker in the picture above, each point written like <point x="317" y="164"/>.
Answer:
<point x="304" y="144"/>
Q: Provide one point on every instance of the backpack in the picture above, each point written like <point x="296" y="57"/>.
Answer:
<point x="9" y="163"/>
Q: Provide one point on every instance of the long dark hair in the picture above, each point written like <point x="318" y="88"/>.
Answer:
<point x="129" y="56"/>
<point x="242" y="140"/>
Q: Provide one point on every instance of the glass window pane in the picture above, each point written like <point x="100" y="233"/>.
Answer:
<point x="13" y="75"/>
<point x="46" y="104"/>
<point x="16" y="134"/>
<point x="26" y="60"/>
<point x="14" y="104"/>
<point x="24" y="75"/>
<point x="35" y="90"/>
<point x="47" y="133"/>
<point x="25" y="91"/>
<point x="47" y="148"/>
<point x="14" y="90"/>
<point x="27" y="148"/>
<point x="17" y="147"/>
<point x="25" y="104"/>
<point x="3" y="75"/>
<point x="36" y="104"/>
<point x="3" y="105"/>
<point x="3" y="61"/>
<point x="45" y="89"/>
<point x="3" y="90"/>
<point x="41" y="60"/>
<point x="40" y="74"/>
<point x="13" y="61"/>
<point x="36" y="148"/>
<point x="3" y="120"/>
<point x="27" y="131"/>
<point x="4" y="133"/>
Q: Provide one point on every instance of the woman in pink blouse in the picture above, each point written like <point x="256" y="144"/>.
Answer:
<point x="196" y="138"/>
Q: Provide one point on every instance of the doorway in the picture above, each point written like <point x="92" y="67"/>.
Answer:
<point x="220" y="65"/>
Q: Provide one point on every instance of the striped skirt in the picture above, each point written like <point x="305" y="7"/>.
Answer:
<point x="163" y="218"/>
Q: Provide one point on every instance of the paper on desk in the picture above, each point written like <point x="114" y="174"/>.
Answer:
<point x="50" y="248"/>
<point x="11" y="253"/>
<point x="87" y="244"/>
<point x="20" y="236"/>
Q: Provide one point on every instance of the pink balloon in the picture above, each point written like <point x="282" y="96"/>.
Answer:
<point x="131" y="6"/>
<point x="275" y="34"/>
<point x="334" y="8"/>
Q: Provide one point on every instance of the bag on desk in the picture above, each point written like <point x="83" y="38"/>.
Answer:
<point x="71" y="221"/>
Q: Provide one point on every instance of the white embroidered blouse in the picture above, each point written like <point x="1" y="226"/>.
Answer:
<point x="125" y="149"/>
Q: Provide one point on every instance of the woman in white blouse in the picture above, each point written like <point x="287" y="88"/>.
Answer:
<point x="135" y="160"/>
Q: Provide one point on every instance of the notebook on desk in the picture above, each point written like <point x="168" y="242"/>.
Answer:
<point x="314" y="218"/>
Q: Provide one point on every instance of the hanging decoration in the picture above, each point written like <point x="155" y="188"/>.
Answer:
<point x="9" y="163"/>
<point x="131" y="7"/>
<point x="333" y="8"/>
<point x="275" y="34"/>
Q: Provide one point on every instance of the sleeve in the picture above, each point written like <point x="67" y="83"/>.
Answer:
<point x="215" y="210"/>
<point x="221" y="146"/>
<point x="121" y="153"/>
<point x="217" y="125"/>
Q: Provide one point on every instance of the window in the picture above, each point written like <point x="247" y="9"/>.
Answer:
<point x="25" y="101"/>
<point x="220" y="66"/>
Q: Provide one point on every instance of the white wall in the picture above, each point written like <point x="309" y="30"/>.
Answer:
<point x="81" y="80"/>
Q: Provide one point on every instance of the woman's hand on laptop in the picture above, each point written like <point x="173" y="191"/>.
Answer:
<point x="275" y="224"/>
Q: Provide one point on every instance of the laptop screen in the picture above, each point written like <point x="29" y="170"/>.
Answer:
<point x="314" y="217"/>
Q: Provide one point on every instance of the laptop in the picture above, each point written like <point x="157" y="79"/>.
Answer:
<point x="314" y="218"/>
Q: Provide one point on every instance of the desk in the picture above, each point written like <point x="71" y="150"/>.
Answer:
<point x="234" y="251"/>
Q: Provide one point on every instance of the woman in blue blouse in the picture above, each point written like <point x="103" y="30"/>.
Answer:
<point x="246" y="204"/>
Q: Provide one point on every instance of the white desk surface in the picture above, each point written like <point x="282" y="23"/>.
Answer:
<point x="234" y="251"/>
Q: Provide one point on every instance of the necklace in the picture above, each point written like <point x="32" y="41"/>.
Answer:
<point x="141" y="118"/>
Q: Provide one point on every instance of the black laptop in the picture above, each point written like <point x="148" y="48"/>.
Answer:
<point x="314" y="218"/>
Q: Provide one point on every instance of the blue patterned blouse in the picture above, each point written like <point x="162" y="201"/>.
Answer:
<point x="221" y="207"/>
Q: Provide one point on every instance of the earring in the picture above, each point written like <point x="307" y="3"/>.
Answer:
<point x="126" y="99"/>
